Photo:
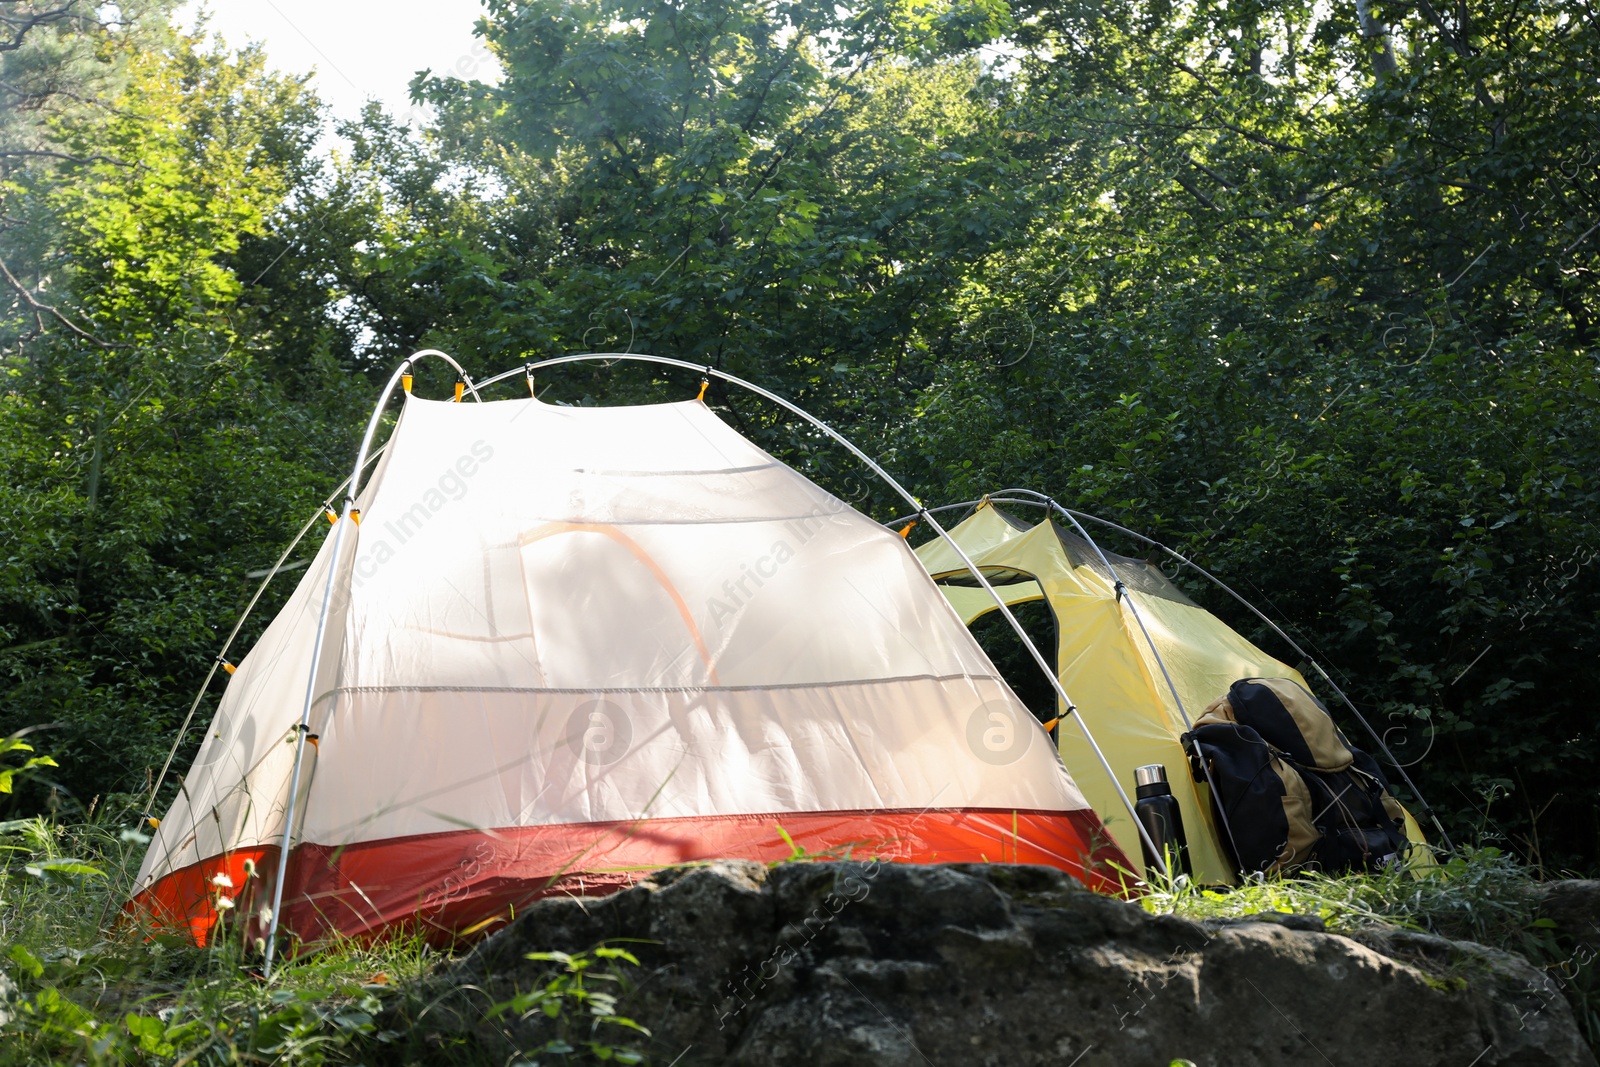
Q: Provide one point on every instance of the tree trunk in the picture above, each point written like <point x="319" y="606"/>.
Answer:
<point x="1377" y="34"/>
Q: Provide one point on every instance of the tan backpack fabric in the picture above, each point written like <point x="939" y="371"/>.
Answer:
<point x="1289" y="788"/>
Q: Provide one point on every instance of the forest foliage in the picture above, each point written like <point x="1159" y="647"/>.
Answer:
<point x="1307" y="291"/>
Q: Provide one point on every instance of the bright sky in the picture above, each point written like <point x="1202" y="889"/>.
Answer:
<point x="359" y="48"/>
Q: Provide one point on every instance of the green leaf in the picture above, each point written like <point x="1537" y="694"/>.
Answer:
<point x="72" y="867"/>
<point x="30" y="964"/>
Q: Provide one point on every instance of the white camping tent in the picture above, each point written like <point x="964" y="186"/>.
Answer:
<point x="565" y="646"/>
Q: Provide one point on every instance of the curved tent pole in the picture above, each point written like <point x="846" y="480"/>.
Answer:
<point x="222" y="653"/>
<point x="1125" y="596"/>
<point x="1001" y="498"/>
<point x="1373" y="733"/>
<point x="795" y="409"/>
<point x="304" y="726"/>
<point x="992" y="498"/>
<point x="446" y="357"/>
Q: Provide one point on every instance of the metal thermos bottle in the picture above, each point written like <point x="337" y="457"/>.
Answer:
<point x="1158" y="812"/>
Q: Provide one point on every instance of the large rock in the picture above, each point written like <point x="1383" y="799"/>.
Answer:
<point x="1574" y="906"/>
<point x="818" y="964"/>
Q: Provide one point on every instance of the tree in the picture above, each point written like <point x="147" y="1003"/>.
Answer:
<point x="153" y="465"/>
<point x="1329" y="325"/>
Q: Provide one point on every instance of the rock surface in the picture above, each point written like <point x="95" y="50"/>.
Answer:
<point x="822" y="964"/>
<point x="1574" y="906"/>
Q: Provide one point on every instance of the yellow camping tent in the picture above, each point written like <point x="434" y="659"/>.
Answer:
<point x="1139" y="659"/>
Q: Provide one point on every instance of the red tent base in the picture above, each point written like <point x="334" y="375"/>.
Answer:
<point x="465" y="883"/>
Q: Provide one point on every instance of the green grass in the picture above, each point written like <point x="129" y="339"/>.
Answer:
<point x="82" y="987"/>
<point x="1481" y="895"/>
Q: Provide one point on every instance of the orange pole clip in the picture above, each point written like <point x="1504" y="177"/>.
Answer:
<point x="332" y="516"/>
<point x="405" y="382"/>
<point x="530" y="387"/>
<point x="705" y="383"/>
<point x="355" y="514"/>
<point x="230" y="668"/>
<point x="905" y="531"/>
<point x="461" y="387"/>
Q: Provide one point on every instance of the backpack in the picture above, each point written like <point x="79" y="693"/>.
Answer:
<point x="1289" y="790"/>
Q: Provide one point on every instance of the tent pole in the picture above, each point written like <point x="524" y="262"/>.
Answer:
<point x="1181" y="558"/>
<point x="304" y="726"/>
<point x="465" y="377"/>
<point x="1125" y="596"/>
<point x="222" y="653"/>
<point x="1000" y="498"/>
<point x="952" y="507"/>
<point x="1000" y="603"/>
<point x="300" y="739"/>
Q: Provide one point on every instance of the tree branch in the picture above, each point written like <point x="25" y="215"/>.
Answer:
<point x="19" y="25"/>
<point x="46" y="309"/>
<point x="1213" y="175"/>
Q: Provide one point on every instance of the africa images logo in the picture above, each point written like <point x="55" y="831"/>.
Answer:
<point x="999" y="732"/>
<point x="599" y="732"/>
<point x="378" y="547"/>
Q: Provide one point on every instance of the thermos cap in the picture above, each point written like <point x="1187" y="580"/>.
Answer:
<point x="1149" y="774"/>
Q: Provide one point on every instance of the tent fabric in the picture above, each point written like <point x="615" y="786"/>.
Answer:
<point x="570" y="645"/>
<point x="1110" y="670"/>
